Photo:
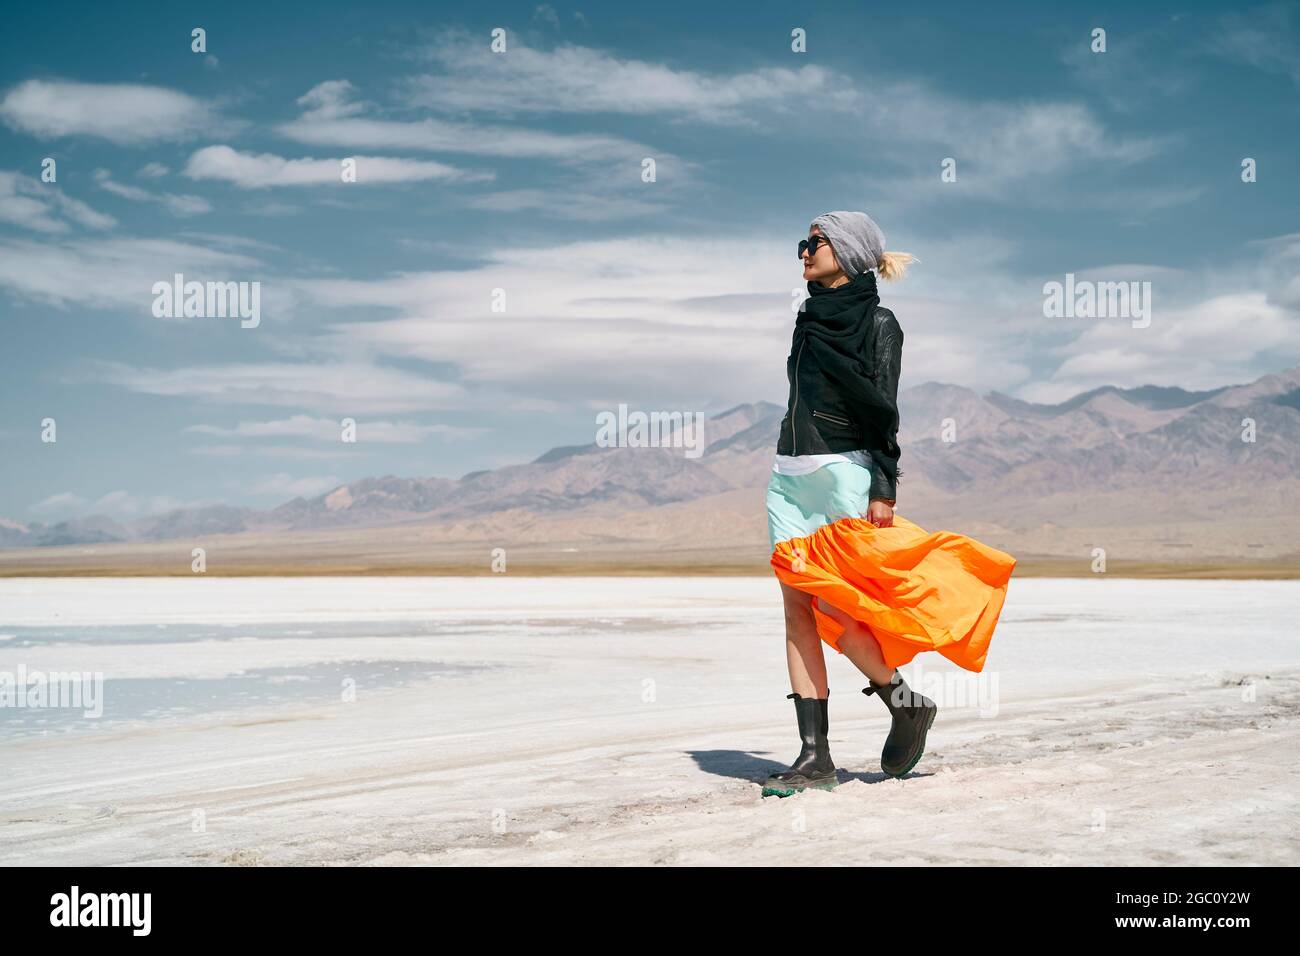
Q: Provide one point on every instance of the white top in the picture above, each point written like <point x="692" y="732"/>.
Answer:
<point x="807" y="464"/>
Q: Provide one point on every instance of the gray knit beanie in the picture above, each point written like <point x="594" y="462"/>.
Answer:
<point x="856" y="239"/>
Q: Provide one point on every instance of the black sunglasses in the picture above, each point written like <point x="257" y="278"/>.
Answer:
<point x="811" y="245"/>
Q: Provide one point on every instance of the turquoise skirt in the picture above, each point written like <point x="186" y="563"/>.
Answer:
<point x="797" y="505"/>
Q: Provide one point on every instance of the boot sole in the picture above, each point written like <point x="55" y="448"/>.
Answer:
<point x="782" y="789"/>
<point x="920" y="750"/>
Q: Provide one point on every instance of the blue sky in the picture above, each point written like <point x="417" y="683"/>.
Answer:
<point x="522" y="171"/>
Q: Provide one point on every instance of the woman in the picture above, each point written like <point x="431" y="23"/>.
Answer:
<point x="870" y="583"/>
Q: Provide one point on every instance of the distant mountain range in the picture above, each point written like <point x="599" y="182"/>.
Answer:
<point x="1159" y="470"/>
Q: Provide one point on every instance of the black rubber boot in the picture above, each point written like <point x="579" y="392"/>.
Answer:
<point x="813" y="767"/>
<point x="912" y="713"/>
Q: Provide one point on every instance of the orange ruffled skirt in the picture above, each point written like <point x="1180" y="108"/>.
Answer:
<point x="916" y="590"/>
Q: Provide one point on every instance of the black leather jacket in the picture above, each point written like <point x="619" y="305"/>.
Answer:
<point x="824" y="409"/>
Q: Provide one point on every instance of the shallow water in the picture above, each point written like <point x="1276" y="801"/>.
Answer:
<point x="168" y="651"/>
<point x="525" y="720"/>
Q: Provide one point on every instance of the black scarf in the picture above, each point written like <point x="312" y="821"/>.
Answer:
<point x="843" y="317"/>
<point x="839" y="324"/>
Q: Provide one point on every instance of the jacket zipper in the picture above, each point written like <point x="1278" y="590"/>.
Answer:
<point x="794" y="428"/>
<point x="833" y="418"/>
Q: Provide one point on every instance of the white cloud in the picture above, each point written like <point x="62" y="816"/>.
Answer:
<point x="232" y="241"/>
<point x="58" y="504"/>
<point x="331" y="98"/>
<point x="349" y="452"/>
<point x="654" y="319"/>
<point x="332" y="119"/>
<point x="1265" y="38"/>
<point x="650" y="316"/>
<point x="1224" y="339"/>
<point x="335" y="388"/>
<point x="112" y="273"/>
<point x="546" y="13"/>
<point x="576" y="204"/>
<point x="120" y="505"/>
<point x="264" y="170"/>
<point x="282" y="485"/>
<point x="184" y="204"/>
<point x="44" y="207"/>
<point x="1134" y="73"/>
<point x="123" y="113"/>
<point x="177" y="204"/>
<point x="330" y="430"/>
<point x="1003" y="148"/>
<point x="576" y="79"/>
<point x="105" y="180"/>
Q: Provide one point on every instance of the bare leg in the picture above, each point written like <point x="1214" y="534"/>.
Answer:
<point x="859" y="645"/>
<point x="803" y="648"/>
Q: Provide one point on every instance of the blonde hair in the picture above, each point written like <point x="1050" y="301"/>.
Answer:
<point x="893" y="265"/>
